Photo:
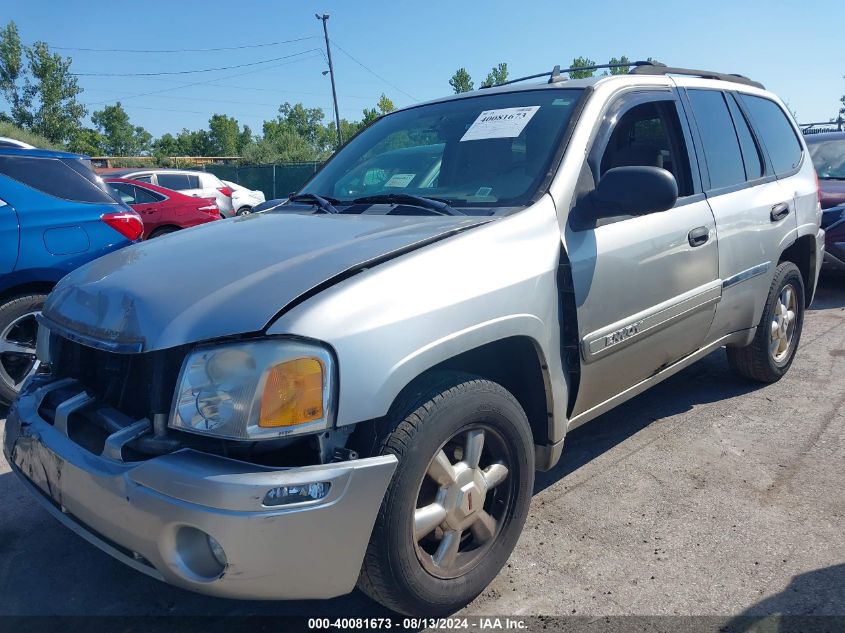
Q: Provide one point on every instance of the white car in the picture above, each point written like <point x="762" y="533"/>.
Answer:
<point x="199" y="184"/>
<point x="243" y="199"/>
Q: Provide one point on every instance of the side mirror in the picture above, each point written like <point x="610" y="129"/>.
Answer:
<point x="634" y="191"/>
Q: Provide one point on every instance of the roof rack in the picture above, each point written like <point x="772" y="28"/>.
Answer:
<point x="637" y="68"/>
<point x="656" y="68"/>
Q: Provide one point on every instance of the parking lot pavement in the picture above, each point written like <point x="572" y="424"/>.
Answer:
<point x="706" y="495"/>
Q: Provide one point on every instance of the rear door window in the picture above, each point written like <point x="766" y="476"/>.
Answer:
<point x="751" y="156"/>
<point x="177" y="182"/>
<point x="721" y="146"/>
<point x="60" y="178"/>
<point x="776" y="131"/>
<point x="125" y="191"/>
<point x="145" y="196"/>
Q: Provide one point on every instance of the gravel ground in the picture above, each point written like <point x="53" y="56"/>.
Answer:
<point x="706" y="495"/>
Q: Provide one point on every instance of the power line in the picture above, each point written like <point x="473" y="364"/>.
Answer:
<point x="189" y="72"/>
<point x="183" y="50"/>
<point x="236" y="88"/>
<point x="372" y="72"/>
<point x="199" y="83"/>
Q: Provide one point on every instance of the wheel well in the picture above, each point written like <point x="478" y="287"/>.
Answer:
<point x="32" y="287"/>
<point x="166" y="227"/>
<point x="515" y="363"/>
<point x="802" y="253"/>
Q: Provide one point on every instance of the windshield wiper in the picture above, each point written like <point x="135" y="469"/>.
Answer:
<point x="831" y="177"/>
<point x="438" y="206"/>
<point x="326" y="205"/>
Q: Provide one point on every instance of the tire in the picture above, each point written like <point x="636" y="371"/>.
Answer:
<point x="759" y="360"/>
<point x="161" y="232"/>
<point x="18" y="328"/>
<point x="245" y="210"/>
<point x="400" y="569"/>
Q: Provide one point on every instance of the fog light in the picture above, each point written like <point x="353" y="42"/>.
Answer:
<point x="217" y="550"/>
<point x="284" y="495"/>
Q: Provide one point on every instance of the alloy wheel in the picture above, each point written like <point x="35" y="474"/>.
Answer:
<point x="463" y="501"/>
<point x="784" y="320"/>
<point x="17" y="350"/>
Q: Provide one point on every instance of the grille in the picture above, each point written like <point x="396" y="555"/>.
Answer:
<point x="137" y="385"/>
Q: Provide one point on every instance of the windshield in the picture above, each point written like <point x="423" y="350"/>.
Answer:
<point x="487" y="151"/>
<point x="829" y="159"/>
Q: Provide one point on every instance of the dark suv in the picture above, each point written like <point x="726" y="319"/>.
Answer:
<point x="828" y="152"/>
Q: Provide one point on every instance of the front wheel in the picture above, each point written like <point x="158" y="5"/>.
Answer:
<point x="458" y="500"/>
<point x="18" y="332"/>
<point x="768" y="357"/>
<point x="244" y="210"/>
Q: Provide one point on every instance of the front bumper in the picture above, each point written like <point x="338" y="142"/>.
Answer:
<point x="147" y="514"/>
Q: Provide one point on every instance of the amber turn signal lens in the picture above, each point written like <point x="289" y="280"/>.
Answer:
<point x="293" y="393"/>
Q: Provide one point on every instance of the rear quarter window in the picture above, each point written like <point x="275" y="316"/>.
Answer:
<point x="776" y="132"/>
<point x="57" y="177"/>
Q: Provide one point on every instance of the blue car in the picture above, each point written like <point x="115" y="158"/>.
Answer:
<point x="55" y="215"/>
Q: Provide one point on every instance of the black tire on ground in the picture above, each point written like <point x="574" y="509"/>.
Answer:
<point x="442" y="409"/>
<point x="756" y="360"/>
<point x="167" y="230"/>
<point x="245" y="210"/>
<point x="10" y="311"/>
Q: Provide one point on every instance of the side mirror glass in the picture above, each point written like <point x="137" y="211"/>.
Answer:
<point x="637" y="190"/>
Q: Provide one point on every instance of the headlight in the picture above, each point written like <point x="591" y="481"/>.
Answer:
<point x="255" y="390"/>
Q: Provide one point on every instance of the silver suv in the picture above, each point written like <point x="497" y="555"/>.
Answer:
<point x="362" y="390"/>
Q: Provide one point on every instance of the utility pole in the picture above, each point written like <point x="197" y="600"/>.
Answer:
<point x="325" y="19"/>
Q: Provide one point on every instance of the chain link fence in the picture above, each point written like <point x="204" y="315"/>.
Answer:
<point x="276" y="181"/>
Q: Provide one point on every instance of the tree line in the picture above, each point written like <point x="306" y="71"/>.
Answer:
<point x="44" y="109"/>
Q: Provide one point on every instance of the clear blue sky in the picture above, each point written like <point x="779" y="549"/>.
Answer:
<point x="794" y="48"/>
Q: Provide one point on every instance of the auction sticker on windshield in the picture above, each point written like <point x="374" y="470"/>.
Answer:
<point x="399" y="180"/>
<point x="502" y="123"/>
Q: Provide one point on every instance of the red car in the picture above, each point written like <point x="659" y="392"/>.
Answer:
<point x="164" y="210"/>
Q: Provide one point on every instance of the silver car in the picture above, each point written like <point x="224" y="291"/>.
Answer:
<point x="357" y="391"/>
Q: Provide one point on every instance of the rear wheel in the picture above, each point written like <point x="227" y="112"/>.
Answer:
<point x="768" y="357"/>
<point x="18" y="332"/>
<point x="458" y="500"/>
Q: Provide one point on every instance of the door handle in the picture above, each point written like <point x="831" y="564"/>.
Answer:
<point x="780" y="211"/>
<point x="698" y="236"/>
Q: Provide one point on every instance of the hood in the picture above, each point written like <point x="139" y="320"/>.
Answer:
<point x="832" y="192"/>
<point x="227" y="277"/>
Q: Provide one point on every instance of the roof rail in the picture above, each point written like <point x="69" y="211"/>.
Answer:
<point x="656" y="68"/>
<point x="556" y="73"/>
<point x="648" y="67"/>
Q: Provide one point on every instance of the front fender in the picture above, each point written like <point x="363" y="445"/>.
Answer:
<point x="391" y="323"/>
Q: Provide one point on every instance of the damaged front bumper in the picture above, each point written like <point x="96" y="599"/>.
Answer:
<point x="156" y="515"/>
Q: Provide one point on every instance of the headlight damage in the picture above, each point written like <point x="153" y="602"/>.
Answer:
<point x="254" y="390"/>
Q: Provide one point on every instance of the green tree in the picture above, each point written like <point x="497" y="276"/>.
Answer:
<point x="120" y="137"/>
<point x="87" y="141"/>
<point x="461" y="81"/>
<point x="622" y="69"/>
<point x="383" y="106"/>
<point x="244" y="138"/>
<point x="186" y="143"/>
<point x="11" y="73"/>
<point x="580" y="62"/>
<point x="498" y="75"/>
<point x="224" y="135"/>
<point x="42" y="96"/>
